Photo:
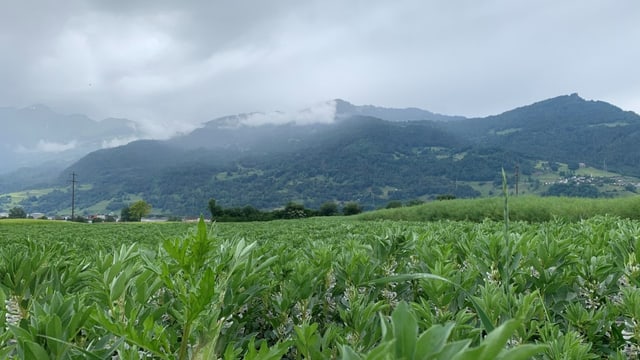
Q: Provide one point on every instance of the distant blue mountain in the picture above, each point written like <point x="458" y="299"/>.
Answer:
<point x="36" y="135"/>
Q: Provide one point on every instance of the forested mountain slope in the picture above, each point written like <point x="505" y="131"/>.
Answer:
<point x="565" y="129"/>
<point x="351" y="158"/>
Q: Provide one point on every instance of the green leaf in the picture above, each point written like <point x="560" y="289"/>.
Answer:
<point x="202" y="230"/>
<point x="307" y="339"/>
<point x="3" y="300"/>
<point x="5" y="351"/>
<point x="405" y="331"/>
<point x="200" y="247"/>
<point x="252" y="353"/>
<point x="349" y="354"/>
<point x="492" y="345"/>
<point x="231" y="353"/>
<point x="384" y="351"/>
<point x="522" y="352"/>
<point x="242" y="250"/>
<point x="433" y="340"/>
<point x="33" y="350"/>
<point x="177" y="250"/>
<point x="451" y="349"/>
<point x="484" y="318"/>
<point x="117" y="286"/>
<point x="87" y="354"/>
<point x="472" y="354"/>
<point x="497" y="339"/>
<point x="384" y="329"/>
<point x="274" y="352"/>
<point x="54" y="330"/>
<point x="264" y="263"/>
<point x="21" y="334"/>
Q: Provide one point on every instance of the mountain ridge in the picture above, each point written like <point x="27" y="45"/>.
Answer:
<point x="357" y="158"/>
<point x="36" y="134"/>
<point x="346" y="109"/>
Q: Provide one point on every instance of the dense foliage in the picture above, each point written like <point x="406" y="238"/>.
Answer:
<point x="291" y="210"/>
<point x="17" y="213"/>
<point x="573" y="190"/>
<point x="364" y="159"/>
<point x="135" y="211"/>
<point x="320" y="288"/>
<point x="364" y="172"/>
<point x="523" y="208"/>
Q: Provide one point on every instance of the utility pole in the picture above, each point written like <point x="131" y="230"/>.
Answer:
<point x="73" y="195"/>
<point x="517" y="176"/>
<point x="373" y="199"/>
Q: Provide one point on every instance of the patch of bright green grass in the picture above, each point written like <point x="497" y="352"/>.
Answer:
<point x="526" y="208"/>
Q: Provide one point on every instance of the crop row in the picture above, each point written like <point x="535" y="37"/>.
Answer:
<point x="321" y="288"/>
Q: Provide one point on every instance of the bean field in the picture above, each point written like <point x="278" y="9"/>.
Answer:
<point x="325" y="288"/>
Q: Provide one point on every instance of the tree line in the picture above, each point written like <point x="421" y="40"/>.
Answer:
<point x="291" y="210"/>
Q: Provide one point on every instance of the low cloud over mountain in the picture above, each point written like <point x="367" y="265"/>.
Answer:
<point x="36" y="134"/>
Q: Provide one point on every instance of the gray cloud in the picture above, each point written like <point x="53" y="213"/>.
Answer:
<point x="171" y="65"/>
<point x="44" y="146"/>
<point x="321" y="113"/>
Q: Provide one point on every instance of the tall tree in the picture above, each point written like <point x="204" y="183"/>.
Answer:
<point x="294" y="210"/>
<point x="139" y="209"/>
<point x="17" y="213"/>
<point x="351" y="208"/>
<point x="328" y="208"/>
<point x="215" y="210"/>
<point x="125" y="214"/>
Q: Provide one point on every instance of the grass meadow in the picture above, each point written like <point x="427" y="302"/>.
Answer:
<point x="521" y="208"/>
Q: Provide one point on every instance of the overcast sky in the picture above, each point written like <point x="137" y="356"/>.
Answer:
<point x="171" y="64"/>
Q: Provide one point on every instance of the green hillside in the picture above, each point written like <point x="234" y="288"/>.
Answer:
<point x="565" y="146"/>
<point x="565" y="129"/>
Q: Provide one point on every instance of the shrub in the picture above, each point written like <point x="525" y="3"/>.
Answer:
<point x="351" y="208"/>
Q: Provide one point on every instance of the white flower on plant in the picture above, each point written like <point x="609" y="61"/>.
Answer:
<point x="390" y="268"/>
<point x="13" y="314"/>
<point x="631" y="350"/>
<point x="616" y="298"/>
<point x="632" y="266"/>
<point x="390" y="297"/>
<point x="284" y="329"/>
<point x="513" y="342"/>
<point x="591" y="301"/>
<point x="227" y="322"/>
<point x="493" y="275"/>
<point x="242" y="310"/>
<point x="414" y="261"/>
<point x="534" y="273"/>
<point x="464" y="266"/>
<point x="302" y="311"/>
<point x="623" y="281"/>
<point x="330" y="280"/>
